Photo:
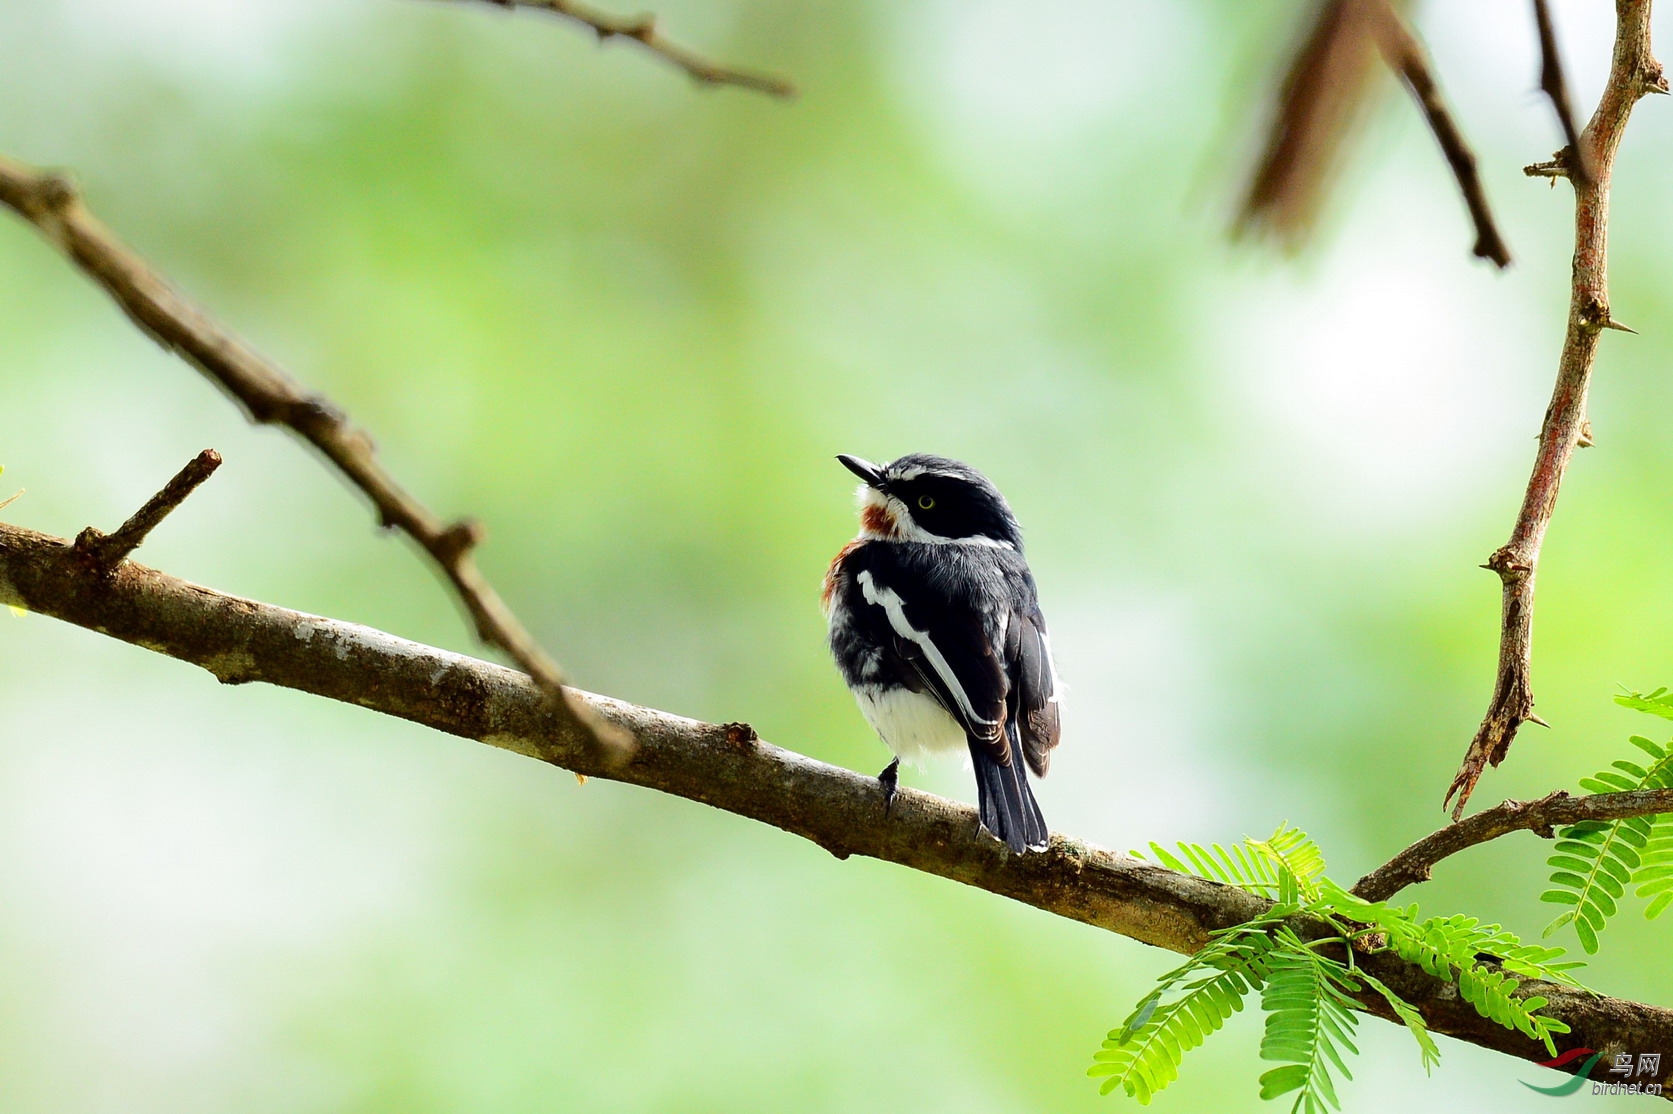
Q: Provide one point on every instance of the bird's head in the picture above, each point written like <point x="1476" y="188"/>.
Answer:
<point x="924" y="498"/>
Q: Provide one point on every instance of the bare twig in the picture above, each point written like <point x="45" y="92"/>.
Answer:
<point x="1553" y="168"/>
<point x="1414" y="863"/>
<point x="642" y="29"/>
<point x="1406" y="57"/>
<point x="1554" y="86"/>
<point x="1633" y="73"/>
<point x="1328" y="81"/>
<point x="106" y="551"/>
<point x="269" y="395"/>
<point x="728" y="767"/>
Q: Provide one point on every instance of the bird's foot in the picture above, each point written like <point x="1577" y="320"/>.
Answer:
<point x="889" y="779"/>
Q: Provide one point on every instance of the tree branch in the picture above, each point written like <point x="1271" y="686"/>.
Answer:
<point x="1325" y="86"/>
<point x="269" y="395"/>
<point x="725" y="766"/>
<point x="1633" y="73"/>
<point x="1555" y="86"/>
<point x="106" y="551"/>
<point x="1406" y="57"/>
<point x="1414" y="864"/>
<point x="642" y="29"/>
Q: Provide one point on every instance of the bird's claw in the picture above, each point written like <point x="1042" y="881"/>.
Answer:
<point x="889" y="780"/>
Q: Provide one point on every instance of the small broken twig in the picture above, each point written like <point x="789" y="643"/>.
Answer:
<point x="106" y="551"/>
<point x="1554" y="86"/>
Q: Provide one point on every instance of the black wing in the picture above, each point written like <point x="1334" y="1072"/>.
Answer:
<point x="1034" y="687"/>
<point x="943" y="640"/>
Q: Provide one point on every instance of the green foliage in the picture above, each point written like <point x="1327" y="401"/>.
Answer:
<point x="1595" y="862"/>
<point x="1259" y="866"/>
<point x="1309" y="995"/>
<point x="1309" y="1019"/>
<point x="1143" y="1055"/>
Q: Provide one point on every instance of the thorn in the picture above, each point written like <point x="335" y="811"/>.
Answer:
<point x="580" y="779"/>
<point x="1611" y="323"/>
<point x="1535" y="719"/>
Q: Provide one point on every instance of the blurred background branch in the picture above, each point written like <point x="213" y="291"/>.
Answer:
<point x="1323" y="93"/>
<point x="643" y="30"/>
<point x="269" y="395"/>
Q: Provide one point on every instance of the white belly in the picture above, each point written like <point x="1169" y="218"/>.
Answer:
<point x="913" y="725"/>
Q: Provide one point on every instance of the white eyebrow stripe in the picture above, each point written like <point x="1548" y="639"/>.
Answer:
<point x="895" y="607"/>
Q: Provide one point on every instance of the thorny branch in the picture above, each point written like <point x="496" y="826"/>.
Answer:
<point x="1633" y="73"/>
<point x="1414" y="863"/>
<point x="643" y="30"/>
<point x="269" y="395"/>
<point x="728" y="767"/>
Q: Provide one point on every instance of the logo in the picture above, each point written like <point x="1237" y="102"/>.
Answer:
<point x="1568" y="1087"/>
<point x="1646" y="1063"/>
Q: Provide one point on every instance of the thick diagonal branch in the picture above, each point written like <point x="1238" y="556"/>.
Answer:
<point x="269" y="395"/>
<point x="725" y="766"/>
<point x="642" y="29"/>
<point x="1633" y="73"/>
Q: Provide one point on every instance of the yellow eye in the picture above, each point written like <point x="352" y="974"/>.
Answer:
<point x="925" y="502"/>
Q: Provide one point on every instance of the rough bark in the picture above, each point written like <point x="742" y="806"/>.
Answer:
<point x="724" y="765"/>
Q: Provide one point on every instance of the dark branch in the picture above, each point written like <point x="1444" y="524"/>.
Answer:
<point x="1326" y="85"/>
<point x="1554" y="85"/>
<point x="1414" y="864"/>
<point x="725" y="766"/>
<point x="1406" y="57"/>
<point x="642" y="29"/>
<point x="1323" y="91"/>
<point x="106" y="551"/>
<point x="269" y="395"/>
<point x="1633" y="73"/>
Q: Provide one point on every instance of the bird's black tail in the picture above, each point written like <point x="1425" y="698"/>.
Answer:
<point x="1005" y="801"/>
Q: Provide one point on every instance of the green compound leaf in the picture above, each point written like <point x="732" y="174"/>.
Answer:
<point x="1286" y="867"/>
<point x="1595" y="862"/>
<point x="1453" y="948"/>
<point x="1310" y="1020"/>
<point x="1143" y="1056"/>
<point x="1657" y="703"/>
<point x="1308" y="995"/>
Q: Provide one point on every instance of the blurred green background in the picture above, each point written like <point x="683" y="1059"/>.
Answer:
<point x="628" y="323"/>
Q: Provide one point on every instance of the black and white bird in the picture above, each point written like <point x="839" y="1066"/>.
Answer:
<point x="936" y="629"/>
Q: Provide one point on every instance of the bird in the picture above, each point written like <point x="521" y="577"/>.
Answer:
<point x="935" y="626"/>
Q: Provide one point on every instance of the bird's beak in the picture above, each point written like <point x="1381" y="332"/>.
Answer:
<point x="864" y="469"/>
